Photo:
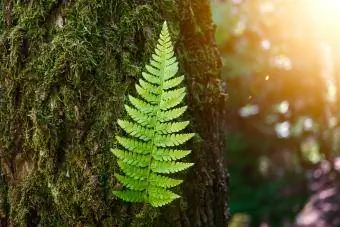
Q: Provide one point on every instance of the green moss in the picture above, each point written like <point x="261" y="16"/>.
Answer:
<point x="65" y="70"/>
<point x="1" y="16"/>
<point x="3" y="197"/>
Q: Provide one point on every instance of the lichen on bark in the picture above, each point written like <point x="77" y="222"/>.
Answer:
<point x="65" y="70"/>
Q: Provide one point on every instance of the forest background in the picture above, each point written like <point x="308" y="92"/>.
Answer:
<point x="281" y="71"/>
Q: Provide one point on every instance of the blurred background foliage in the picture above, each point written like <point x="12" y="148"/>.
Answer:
<point x="281" y="71"/>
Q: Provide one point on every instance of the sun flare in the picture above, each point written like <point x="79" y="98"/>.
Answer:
<point x="326" y="13"/>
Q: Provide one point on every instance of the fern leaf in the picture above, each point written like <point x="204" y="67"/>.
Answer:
<point x="172" y="140"/>
<point x="136" y="130"/>
<point x="156" y="57"/>
<point x="169" y="167"/>
<point x="143" y="158"/>
<point x="171" y="114"/>
<point x="141" y="105"/>
<point x="149" y="87"/>
<point x="167" y="104"/>
<point x="156" y="64"/>
<point x="163" y="181"/>
<point x="164" y="37"/>
<point x="166" y="128"/>
<point x="132" y="158"/>
<point x="147" y="96"/>
<point x="150" y="78"/>
<point x="169" y="154"/>
<point x="159" y="53"/>
<point x="131" y="183"/>
<point x="139" y="117"/>
<point x="171" y="69"/>
<point x="160" y="197"/>
<point x="165" y="46"/>
<point x="170" y="61"/>
<point x="153" y="71"/>
<point x="133" y="171"/>
<point x="173" y="94"/>
<point x="168" y="52"/>
<point x="173" y="82"/>
<point x="130" y="196"/>
<point x="135" y="145"/>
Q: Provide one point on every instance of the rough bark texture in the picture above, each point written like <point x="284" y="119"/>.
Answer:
<point x="65" y="70"/>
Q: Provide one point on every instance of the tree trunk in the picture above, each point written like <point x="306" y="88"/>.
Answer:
<point x="66" y="67"/>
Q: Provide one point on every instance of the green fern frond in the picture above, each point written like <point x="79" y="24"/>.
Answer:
<point x="160" y="197"/>
<point x="166" y="104"/>
<point x="173" y="94"/>
<point x="149" y="87"/>
<point x="136" y="130"/>
<point x="150" y="78"/>
<point x="130" y="195"/>
<point x="173" y="82"/>
<point x="163" y="181"/>
<point x="132" y="158"/>
<point x="172" y="140"/>
<point x="146" y="95"/>
<point x="144" y="156"/>
<point x="169" y="167"/>
<point x="139" y="116"/>
<point x="132" y="183"/>
<point x="171" y="114"/>
<point x="153" y="71"/>
<point x="169" y="154"/>
<point x="141" y="105"/>
<point x="133" y="171"/>
<point x="135" y="145"/>
<point x="166" y="128"/>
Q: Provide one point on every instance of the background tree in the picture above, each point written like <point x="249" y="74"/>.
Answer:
<point x="65" y="70"/>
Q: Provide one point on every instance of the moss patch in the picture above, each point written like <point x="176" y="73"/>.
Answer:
<point x="65" y="70"/>
<point x="66" y="67"/>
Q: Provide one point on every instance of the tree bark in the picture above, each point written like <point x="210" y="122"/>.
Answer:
<point x="65" y="70"/>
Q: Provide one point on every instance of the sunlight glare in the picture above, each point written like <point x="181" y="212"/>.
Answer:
<point x="325" y="13"/>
